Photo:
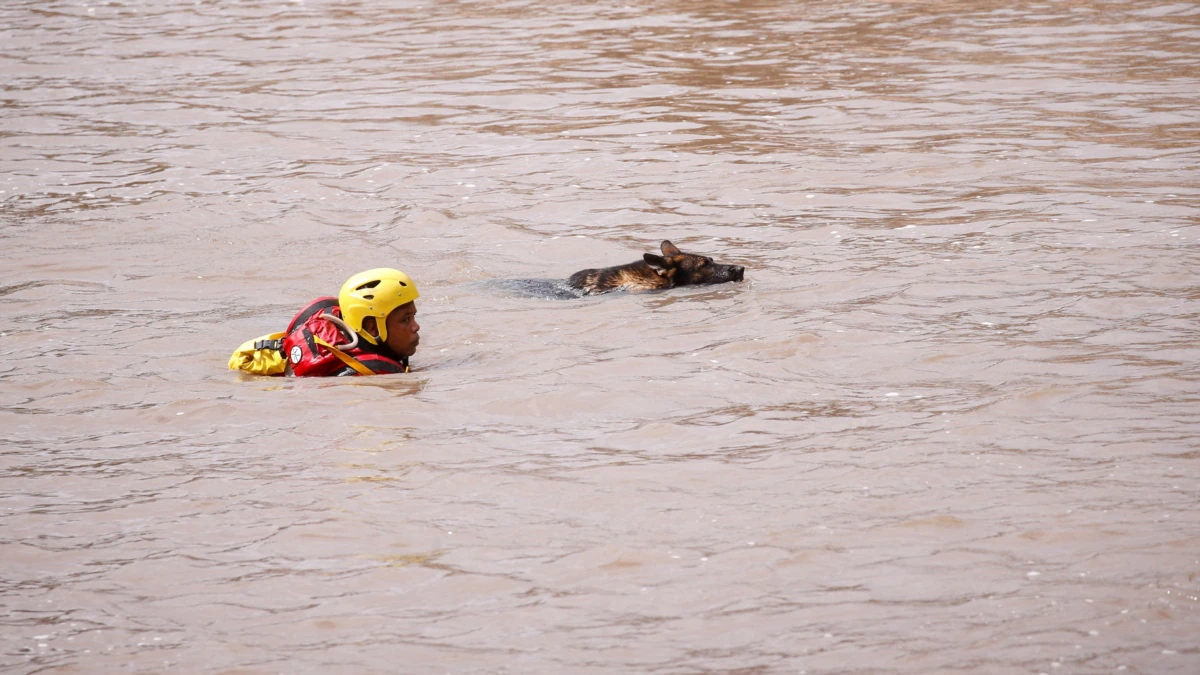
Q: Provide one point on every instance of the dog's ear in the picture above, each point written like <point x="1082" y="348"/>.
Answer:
<point x="659" y="265"/>
<point x="669" y="249"/>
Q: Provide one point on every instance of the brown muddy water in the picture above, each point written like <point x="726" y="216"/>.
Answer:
<point x="949" y="423"/>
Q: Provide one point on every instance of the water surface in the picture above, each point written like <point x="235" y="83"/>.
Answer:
<point x="949" y="422"/>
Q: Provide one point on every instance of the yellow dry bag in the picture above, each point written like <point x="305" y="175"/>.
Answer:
<point x="260" y="356"/>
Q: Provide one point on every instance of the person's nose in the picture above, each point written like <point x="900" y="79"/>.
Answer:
<point x="416" y="326"/>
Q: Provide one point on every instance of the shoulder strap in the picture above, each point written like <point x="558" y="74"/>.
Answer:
<point x="345" y="358"/>
<point x="382" y="365"/>
<point x="309" y="310"/>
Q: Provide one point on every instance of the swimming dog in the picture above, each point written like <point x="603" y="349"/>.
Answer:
<point x="653" y="272"/>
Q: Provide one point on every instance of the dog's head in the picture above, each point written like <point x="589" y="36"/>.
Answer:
<point x="689" y="269"/>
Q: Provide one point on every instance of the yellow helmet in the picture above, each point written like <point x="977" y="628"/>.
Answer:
<point x="374" y="293"/>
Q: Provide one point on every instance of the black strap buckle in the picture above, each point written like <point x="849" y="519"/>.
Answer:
<point x="276" y="345"/>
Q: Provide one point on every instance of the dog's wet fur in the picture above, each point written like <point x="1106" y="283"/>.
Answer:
<point x="655" y="273"/>
<point x="651" y="273"/>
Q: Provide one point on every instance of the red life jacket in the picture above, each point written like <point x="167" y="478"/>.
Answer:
<point x="310" y="334"/>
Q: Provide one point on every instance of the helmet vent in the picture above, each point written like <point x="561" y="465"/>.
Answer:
<point x="370" y="284"/>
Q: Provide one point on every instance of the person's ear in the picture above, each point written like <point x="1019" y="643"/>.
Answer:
<point x="370" y="326"/>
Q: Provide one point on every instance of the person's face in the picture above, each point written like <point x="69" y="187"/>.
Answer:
<point x="403" y="329"/>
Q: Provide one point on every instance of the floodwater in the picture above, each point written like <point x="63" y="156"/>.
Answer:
<point x="950" y="422"/>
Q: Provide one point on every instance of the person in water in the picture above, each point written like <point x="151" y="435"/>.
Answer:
<point x="370" y="328"/>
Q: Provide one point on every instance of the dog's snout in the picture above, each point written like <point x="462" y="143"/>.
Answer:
<point x="737" y="272"/>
